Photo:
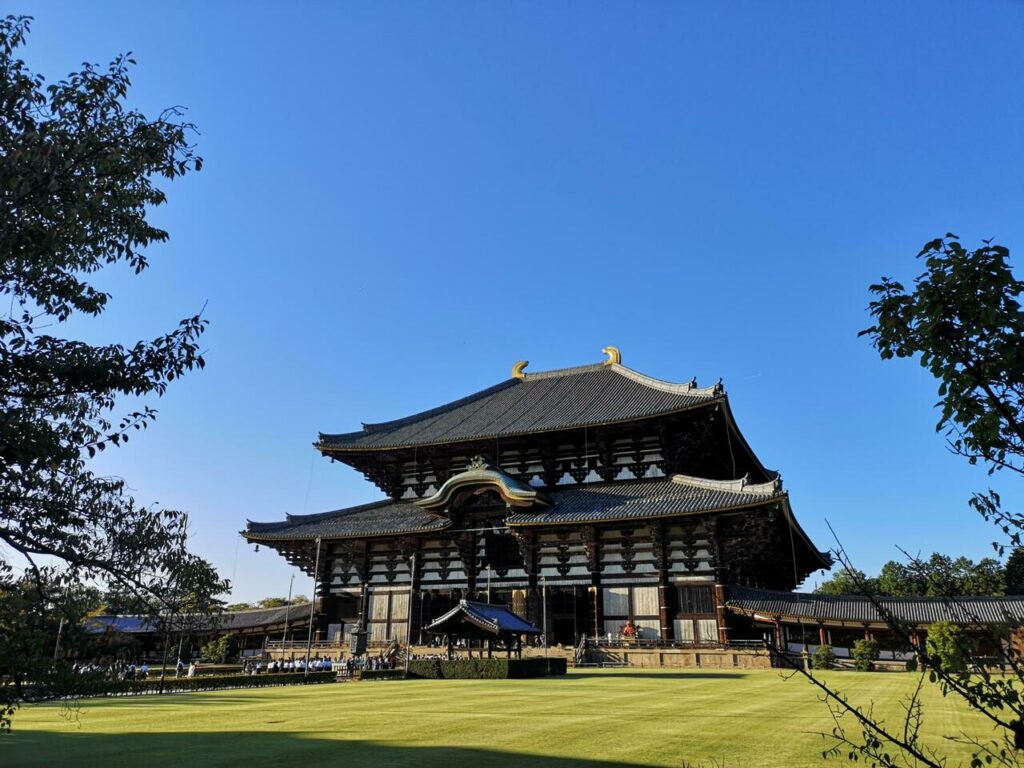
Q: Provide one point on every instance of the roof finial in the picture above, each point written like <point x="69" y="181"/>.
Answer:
<point x="517" y="369"/>
<point x="614" y="356"/>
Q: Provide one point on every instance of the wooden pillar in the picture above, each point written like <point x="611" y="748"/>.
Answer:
<point x="778" y="635"/>
<point x="867" y="632"/>
<point x="720" y="614"/>
<point x="821" y="633"/>
<point x="663" y="610"/>
<point x="592" y="549"/>
<point x="533" y="606"/>
<point x="662" y="565"/>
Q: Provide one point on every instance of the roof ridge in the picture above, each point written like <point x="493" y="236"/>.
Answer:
<point x="342" y="511"/>
<point x="740" y="485"/>
<point x="330" y="513"/>
<point x="570" y="371"/>
<point x="689" y="388"/>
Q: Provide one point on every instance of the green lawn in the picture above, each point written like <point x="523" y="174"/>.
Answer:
<point x="599" y="718"/>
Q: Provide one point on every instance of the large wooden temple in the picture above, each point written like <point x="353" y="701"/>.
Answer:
<point x="588" y="496"/>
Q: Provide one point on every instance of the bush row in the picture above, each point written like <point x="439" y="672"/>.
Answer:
<point x="486" y="669"/>
<point x="105" y="687"/>
<point x="380" y="674"/>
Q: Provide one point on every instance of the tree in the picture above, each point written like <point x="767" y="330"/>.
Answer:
<point x="280" y="602"/>
<point x="865" y="654"/>
<point x="964" y="323"/>
<point x="897" y="578"/>
<point x="79" y="174"/>
<point x="187" y="601"/>
<point x="220" y="650"/>
<point x="948" y="647"/>
<point x="937" y="576"/>
<point x="844" y="582"/>
<point x="1014" y="572"/>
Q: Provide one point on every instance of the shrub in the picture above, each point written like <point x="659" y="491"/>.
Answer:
<point x="381" y="674"/>
<point x="220" y="650"/>
<point x="486" y="669"/>
<point x="823" y="658"/>
<point x="865" y="653"/>
<point x="912" y="665"/>
<point x="947" y="647"/>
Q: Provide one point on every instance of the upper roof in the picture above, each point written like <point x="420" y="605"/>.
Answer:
<point x="485" y="617"/>
<point x="967" y="610"/>
<point x="590" y="395"/>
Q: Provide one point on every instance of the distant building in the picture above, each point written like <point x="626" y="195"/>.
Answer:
<point x="253" y="629"/>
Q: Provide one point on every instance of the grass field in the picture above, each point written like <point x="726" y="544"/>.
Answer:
<point x="594" y="718"/>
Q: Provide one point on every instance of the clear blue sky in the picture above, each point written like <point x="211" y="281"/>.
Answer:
<point x="400" y="200"/>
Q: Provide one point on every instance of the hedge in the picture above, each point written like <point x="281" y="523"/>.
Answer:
<point x="87" y="687"/>
<point x="380" y="674"/>
<point x="486" y="669"/>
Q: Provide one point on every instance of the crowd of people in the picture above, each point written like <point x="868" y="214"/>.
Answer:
<point x="343" y="665"/>
<point x="346" y="666"/>
<point x="318" y="664"/>
<point x="119" y="670"/>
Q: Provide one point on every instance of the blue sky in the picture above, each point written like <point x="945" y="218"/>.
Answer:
<point x="402" y="199"/>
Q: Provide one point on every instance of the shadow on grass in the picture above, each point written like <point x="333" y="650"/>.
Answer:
<point x="249" y="749"/>
<point x="659" y="674"/>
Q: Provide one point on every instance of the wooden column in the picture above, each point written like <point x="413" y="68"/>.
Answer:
<point x="527" y="542"/>
<point x="720" y="614"/>
<point x="821" y="633"/>
<point x="720" y="572"/>
<point x="592" y="548"/>
<point x="661" y="563"/>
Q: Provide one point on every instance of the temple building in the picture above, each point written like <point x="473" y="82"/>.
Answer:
<point x="583" y="497"/>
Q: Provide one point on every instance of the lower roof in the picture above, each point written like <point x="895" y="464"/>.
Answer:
<point x="634" y="500"/>
<point x="801" y="606"/>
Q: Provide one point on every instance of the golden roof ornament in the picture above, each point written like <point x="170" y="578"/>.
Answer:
<point x="614" y="356"/>
<point x="517" y="369"/>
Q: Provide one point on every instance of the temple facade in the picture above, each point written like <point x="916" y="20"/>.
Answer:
<point x="583" y="498"/>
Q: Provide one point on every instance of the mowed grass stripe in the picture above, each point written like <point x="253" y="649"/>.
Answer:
<point x="594" y="718"/>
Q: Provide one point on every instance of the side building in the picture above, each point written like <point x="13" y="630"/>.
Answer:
<point x="585" y="497"/>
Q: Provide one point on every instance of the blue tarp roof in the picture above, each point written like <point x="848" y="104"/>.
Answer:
<point x="490" y="618"/>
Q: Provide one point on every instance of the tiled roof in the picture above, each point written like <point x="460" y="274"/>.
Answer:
<point x="851" y="608"/>
<point x="600" y="502"/>
<point x="541" y="402"/>
<point x="642" y="499"/>
<point x="488" y="617"/>
<point x="228" y="620"/>
<point x="379" y="518"/>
